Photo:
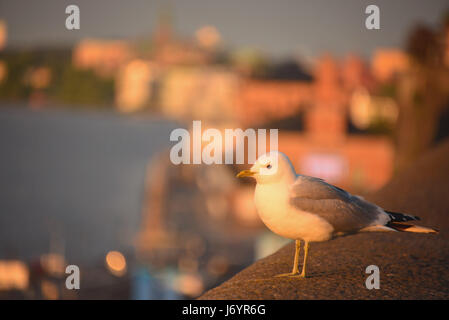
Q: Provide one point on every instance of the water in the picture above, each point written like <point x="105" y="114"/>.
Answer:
<point x="73" y="179"/>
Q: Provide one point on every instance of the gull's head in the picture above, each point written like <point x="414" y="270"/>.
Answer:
<point x="271" y="167"/>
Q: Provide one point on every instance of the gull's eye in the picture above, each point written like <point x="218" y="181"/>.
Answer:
<point x="269" y="166"/>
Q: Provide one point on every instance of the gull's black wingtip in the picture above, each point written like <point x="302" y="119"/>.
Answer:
<point x="401" y="217"/>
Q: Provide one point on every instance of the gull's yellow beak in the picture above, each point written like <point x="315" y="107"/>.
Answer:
<point x="245" y="173"/>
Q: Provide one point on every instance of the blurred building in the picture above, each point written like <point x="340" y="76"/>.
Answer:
<point x="3" y="38"/>
<point x="259" y="102"/>
<point x="355" y="73"/>
<point x="3" y="71"/>
<point x="14" y="275"/>
<point x="134" y="85"/>
<point x="169" y="49"/>
<point x="366" y="109"/>
<point x="102" y="56"/>
<point x="3" y="34"/>
<point x="386" y="63"/>
<point x="38" y="78"/>
<point x="176" y="75"/>
<point x="205" y="93"/>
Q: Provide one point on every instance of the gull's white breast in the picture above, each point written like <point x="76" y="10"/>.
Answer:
<point x="273" y="207"/>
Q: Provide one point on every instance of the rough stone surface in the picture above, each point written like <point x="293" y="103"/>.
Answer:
<point x="412" y="266"/>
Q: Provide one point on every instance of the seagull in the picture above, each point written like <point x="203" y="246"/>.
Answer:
<point x="306" y="208"/>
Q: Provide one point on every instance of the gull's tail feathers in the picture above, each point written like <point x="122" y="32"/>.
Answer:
<point x="399" y="220"/>
<point x="407" y="227"/>
<point x="400" y="217"/>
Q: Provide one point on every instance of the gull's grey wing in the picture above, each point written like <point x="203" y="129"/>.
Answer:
<point x="316" y="188"/>
<point x="342" y="210"/>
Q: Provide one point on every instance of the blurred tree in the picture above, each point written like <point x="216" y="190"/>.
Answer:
<point x="84" y="88"/>
<point x="14" y="88"/>
<point x="422" y="93"/>
<point x="68" y="86"/>
<point x="250" y="62"/>
<point x="289" y="70"/>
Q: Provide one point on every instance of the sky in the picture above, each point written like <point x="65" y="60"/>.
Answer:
<point x="280" y="28"/>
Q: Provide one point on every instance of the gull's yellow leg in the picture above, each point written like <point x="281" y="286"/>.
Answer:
<point x="306" y="251"/>
<point x="295" y="270"/>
